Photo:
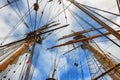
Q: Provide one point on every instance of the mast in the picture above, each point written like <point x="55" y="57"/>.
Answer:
<point x="105" y="61"/>
<point x="107" y="27"/>
<point x="16" y="54"/>
<point x="31" y="37"/>
<point x="108" y="65"/>
<point x="29" y="73"/>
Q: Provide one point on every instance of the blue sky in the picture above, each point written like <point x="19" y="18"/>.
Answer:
<point x="45" y="58"/>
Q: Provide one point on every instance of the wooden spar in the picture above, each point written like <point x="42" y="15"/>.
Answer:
<point x="31" y="38"/>
<point x="55" y="29"/>
<point x="37" y="31"/>
<point x="82" y="39"/>
<point x="77" y="33"/>
<point x="12" y="43"/>
<point x="107" y="27"/>
<point x="105" y="61"/>
<point x="44" y="27"/>
<point x="16" y="54"/>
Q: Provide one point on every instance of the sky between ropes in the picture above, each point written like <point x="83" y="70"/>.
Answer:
<point x="12" y="28"/>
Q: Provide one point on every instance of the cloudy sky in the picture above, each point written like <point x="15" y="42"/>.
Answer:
<point x="13" y="28"/>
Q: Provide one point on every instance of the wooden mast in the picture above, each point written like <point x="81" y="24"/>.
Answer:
<point x="31" y="37"/>
<point x="101" y="58"/>
<point x="107" y="27"/>
<point x="16" y="54"/>
<point x="105" y="62"/>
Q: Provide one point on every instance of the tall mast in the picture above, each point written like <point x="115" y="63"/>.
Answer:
<point x="31" y="38"/>
<point x="107" y="64"/>
<point x="105" y="61"/>
<point x="107" y="27"/>
<point x="16" y="54"/>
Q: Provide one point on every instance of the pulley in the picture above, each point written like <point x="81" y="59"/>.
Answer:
<point x="8" y="1"/>
<point x="39" y="40"/>
<point x="59" y="1"/>
<point x="4" y="76"/>
<point x="76" y="64"/>
<point x="36" y="6"/>
<point x="34" y="34"/>
<point x="79" y="37"/>
<point x="83" y="46"/>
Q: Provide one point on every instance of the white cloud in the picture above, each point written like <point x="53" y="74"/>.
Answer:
<point x="8" y="20"/>
<point x="48" y="57"/>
